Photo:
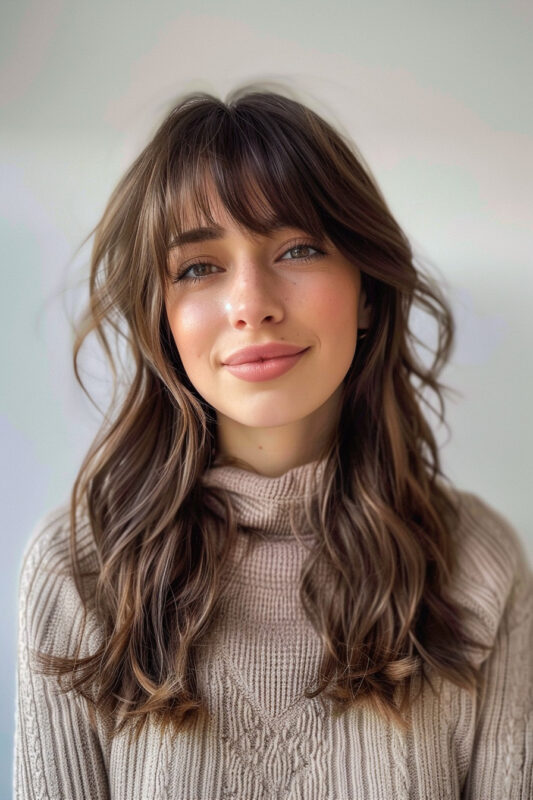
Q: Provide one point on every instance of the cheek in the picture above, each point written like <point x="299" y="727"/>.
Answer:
<point x="333" y="306"/>
<point x="189" y="323"/>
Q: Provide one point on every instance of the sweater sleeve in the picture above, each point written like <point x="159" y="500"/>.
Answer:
<point x="501" y="763"/>
<point x="56" y="754"/>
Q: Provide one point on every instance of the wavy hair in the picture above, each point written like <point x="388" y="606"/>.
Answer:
<point x="385" y="521"/>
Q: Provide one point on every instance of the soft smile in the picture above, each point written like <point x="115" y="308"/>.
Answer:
<point x="266" y="369"/>
<point x="261" y="352"/>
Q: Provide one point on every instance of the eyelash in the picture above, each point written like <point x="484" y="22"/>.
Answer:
<point x="181" y="276"/>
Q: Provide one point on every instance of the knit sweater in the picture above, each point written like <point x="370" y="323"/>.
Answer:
<point x="265" y="740"/>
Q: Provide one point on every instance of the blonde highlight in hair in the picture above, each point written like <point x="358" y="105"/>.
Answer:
<point x="385" y="520"/>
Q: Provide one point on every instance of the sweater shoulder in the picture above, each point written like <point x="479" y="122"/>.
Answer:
<point x="50" y="604"/>
<point x="47" y="550"/>
<point x="493" y="578"/>
<point x="49" y="529"/>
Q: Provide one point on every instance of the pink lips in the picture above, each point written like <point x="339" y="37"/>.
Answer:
<point x="274" y="360"/>
<point x="262" y="352"/>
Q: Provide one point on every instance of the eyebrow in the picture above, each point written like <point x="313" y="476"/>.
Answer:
<point x="198" y="235"/>
<point x="205" y="234"/>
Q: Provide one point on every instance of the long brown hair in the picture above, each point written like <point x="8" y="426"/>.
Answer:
<point x="386" y="519"/>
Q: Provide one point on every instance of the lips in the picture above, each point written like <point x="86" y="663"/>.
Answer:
<point x="262" y="352"/>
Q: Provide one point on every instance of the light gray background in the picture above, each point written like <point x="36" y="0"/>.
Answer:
<point x="437" y="95"/>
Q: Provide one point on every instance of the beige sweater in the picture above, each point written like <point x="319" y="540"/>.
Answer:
<point x="267" y="741"/>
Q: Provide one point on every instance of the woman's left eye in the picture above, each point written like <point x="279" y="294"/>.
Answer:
<point x="305" y="257"/>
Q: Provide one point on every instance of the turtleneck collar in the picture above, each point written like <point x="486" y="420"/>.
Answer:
<point x="266" y="502"/>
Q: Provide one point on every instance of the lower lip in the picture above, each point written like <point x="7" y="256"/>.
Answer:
<point x="264" y="370"/>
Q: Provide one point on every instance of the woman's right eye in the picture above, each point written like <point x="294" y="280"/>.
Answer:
<point x="192" y="279"/>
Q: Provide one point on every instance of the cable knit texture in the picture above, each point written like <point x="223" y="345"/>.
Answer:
<point x="265" y="740"/>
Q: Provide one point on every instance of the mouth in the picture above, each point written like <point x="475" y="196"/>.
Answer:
<point x="264" y="352"/>
<point x="265" y="369"/>
<point x="275" y="358"/>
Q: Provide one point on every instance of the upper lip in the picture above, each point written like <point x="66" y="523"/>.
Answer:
<point x="260" y="352"/>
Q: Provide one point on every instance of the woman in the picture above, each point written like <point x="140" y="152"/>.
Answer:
<point x="264" y="586"/>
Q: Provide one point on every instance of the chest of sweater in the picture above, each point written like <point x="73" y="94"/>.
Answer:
<point x="265" y="739"/>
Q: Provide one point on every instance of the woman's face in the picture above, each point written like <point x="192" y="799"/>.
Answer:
<point x="284" y="288"/>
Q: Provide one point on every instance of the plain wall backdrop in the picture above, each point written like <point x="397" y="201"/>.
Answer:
<point x="436" y="95"/>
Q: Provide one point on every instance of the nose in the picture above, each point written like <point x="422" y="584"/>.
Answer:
<point x="253" y="296"/>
